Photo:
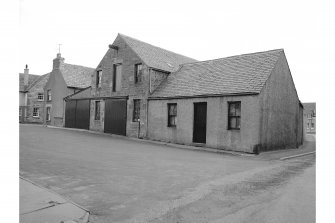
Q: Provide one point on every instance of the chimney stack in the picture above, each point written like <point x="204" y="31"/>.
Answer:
<point x="26" y="76"/>
<point x="58" y="61"/>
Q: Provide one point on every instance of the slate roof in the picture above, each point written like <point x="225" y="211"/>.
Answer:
<point x="156" y="57"/>
<point x="242" y="74"/>
<point x="308" y="107"/>
<point x="77" y="76"/>
<point x="40" y="78"/>
<point x="31" y="79"/>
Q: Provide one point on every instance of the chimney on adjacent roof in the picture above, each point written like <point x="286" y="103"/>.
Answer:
<point x="26" y="76"/>
<point x="58" y="61"/>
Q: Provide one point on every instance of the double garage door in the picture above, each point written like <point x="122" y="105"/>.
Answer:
<point x="77" y="115"/>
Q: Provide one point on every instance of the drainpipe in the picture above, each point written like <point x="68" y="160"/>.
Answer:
<point x="139" y="128"/>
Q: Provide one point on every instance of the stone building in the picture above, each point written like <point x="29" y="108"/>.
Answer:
<point x="243" y="103"/>
<point x="310" y="117"/>
<point x="127" y="74"/>
<point x="31" y="97"/>
<point x="65" y="79"/>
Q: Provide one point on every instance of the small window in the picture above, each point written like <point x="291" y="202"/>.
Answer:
<point x="138" y="73"/>
<point x="312" y="125"/>
<point x="20" y="111"/>
<point x="234" y="115"/>
<point x="117" y="77"/>
<point x="48" y="118"/>
<point x="97" y="110"/>
<point x="99" y="78"/>
<point x="40" y="96"/>
<point x="36" y="112"/>
<point x="172" y="115"/>
<point x="137" y="110"/>
<point x="307" y="125"/>
<point x="49" y="95"/>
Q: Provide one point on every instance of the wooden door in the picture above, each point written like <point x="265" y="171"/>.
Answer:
<point x="115" y="116"/>
<point x="200" y="122"/>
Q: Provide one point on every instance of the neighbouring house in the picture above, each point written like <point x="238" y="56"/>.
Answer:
<point x="65" y="79"/>
<point x="243" y="103"/>
<point x="31" y="97"/>
<point x="310" y="117"/>
<point x="127" y="74"/>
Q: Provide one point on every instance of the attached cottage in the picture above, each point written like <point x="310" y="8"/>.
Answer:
<point x="244" y="103"/>
<point x="65" y="79"/>
<point x="31" y="97"/>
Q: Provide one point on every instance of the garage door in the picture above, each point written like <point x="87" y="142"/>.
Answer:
<point x="115" y="116"/>
<point x="77" y="114"/>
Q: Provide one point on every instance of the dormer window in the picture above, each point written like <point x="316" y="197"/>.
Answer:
<point x="99" y="78"/>
<point x="138" y="73"/>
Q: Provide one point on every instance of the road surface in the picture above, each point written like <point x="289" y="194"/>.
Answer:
<point x="120" y="180"/>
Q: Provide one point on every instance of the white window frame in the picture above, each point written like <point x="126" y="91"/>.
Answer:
<point x="38" y="112"/>
<point x="40" y="97"/>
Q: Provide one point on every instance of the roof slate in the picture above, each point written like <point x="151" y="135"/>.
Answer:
<point x="31" y="79"/>
<point x="77" y="76"/>
<point x="156" y="57"/>
<point x="39" y="79"/>
<point x="242" y="74"/>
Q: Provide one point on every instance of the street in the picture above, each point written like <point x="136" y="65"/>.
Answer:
<point x="122" y="180"/>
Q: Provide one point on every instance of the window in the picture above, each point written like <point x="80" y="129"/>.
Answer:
<point x="138" y="73"/>
<point x="137" y="109"/>
<point x="20" y="111"/>
<point x="99" y="77"/>
<point x="40" y="96"/>
<point x="117" y="70"/>
<point x="234" y="115"/>
<point x="307" y="125"/>
<point x="36" y="112"/>
<point x="172" y="115"/>
<point x="49" y="95"/>
<point x="48" y="114"/>
<point x="312" y="125"/>
<point x="97" y="110"/>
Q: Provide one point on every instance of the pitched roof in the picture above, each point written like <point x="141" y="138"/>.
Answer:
<point x="77" y="76"/>
<point x="309" y="107"/>
<point x="156" y="57"/>
<point x="31" y="79"/>
<point x="39" y="79"/>
<point x="242" y="74"/>
<point x="84" y="93"/>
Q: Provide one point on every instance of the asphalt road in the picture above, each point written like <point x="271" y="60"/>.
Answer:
<point x="120" y="180"/>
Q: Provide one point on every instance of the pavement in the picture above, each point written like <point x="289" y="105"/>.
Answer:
<point x="119" y="179"/>
<point x="38" y="204"/>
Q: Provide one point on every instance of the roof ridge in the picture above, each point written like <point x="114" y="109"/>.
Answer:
<point x="122" y="35"/>
<point x="239" y="55"/>
<point x="79" y="66"/>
